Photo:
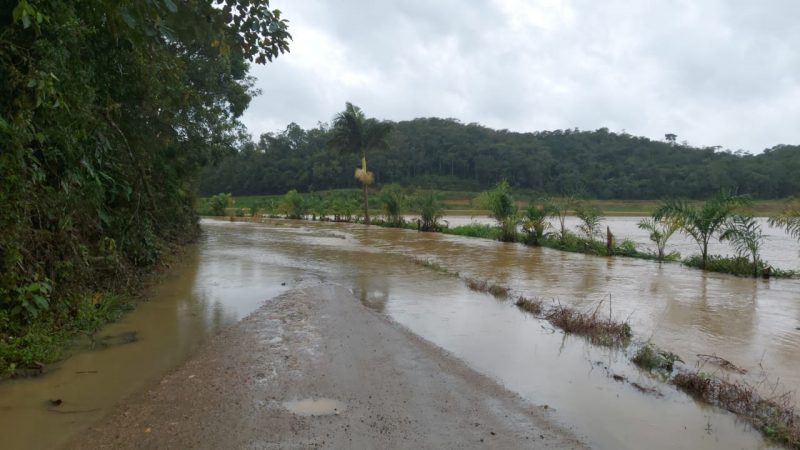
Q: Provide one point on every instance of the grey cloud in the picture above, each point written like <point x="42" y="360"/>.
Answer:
<point x="713" y="72"/>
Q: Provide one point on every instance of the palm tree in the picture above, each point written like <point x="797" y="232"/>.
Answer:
<point x="501" y="208"/>
<point x="559" y="208"/>
<point x="660" y="232"/>
<point x="701" y="223"/>
<point x="535" y="222"/>
<point x="430" y="211"/>
<point x="590" y="218"/>
<point x="354" y="133"/>
<point x="789" y="220"/>
<point x="745" y="234"/>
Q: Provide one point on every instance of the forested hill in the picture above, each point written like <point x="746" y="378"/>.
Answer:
<point x="446" y="154"/>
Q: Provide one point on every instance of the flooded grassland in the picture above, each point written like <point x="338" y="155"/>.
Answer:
<point x="237" y="266"/>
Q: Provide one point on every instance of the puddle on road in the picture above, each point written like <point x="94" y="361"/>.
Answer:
<point x="318" y="407"/>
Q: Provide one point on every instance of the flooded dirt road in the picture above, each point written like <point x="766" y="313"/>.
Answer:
<point x="237" y="266"/>
<point x="315" y="369"/>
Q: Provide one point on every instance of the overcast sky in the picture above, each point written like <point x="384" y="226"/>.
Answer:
<point x="712" y="72"/>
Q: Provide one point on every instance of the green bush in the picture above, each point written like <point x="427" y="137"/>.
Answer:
<point x="293" y="205"/>
<point x="739" y="265"/>
<point x="474" y="230"/>
<point x="219" y="203"/>
<point x="430" y="211"/>
<point x="393" y="202"/>
<point x="502" y="208"/>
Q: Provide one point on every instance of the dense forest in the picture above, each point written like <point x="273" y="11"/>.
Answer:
<point x="447" y="154"/>
<point x="108" y="111"/>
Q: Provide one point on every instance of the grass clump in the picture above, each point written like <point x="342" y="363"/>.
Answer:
<point x="24" y="350"/>
<point x="774" y="417"/>
<point x="533" y="306"/>
<point x="651" y="358"/>
<point x="599" y="331"/>
<point x="433" y="265"/>
<point x="739" y="266"/>
<point x="475" y="230"/>
<point x="488" y="287"/>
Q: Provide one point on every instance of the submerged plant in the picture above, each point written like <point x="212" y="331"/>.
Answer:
<point x="746" y="236"/>
<point x="219" y="203"/>
<point x="559" y="208"/>
<point x="488" y="287"/>
<point x="590" y="218"/>
<point x="651" y="358"/>
<point x="533" y="306"/>
<point x="599" y="331"/>
<point x="500" y="204"/>
<point x="293" y="205"/>
<point x="789" y="220"/>
<point x="704" y="222"/>
<point x="774" y="416"/>
<point x="534" y="221"/>
<point x="430" y="211"/>
<point x="393" y="202"/>
<point x="660" y="232"/>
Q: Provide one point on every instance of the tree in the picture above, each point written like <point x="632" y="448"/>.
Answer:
<point x="704" y="222"/>
<point x="353" y="132"/>
<point x="671" y="138"/>
<point x="660" y="232"/>
<point x="745" y="235"/>
<point x="108" y="112"/>
<point x="500" y="204"/>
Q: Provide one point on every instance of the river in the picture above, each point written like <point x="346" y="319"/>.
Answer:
<point x="237" y="266"/>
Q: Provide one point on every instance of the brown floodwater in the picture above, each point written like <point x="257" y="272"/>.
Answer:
<point x="237" y="266"/>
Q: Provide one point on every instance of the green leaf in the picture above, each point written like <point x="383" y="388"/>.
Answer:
<point x="171" y="6"/>
<point x="128" y="18"/>
<point x="26" y="21"/>
<point x="40" y="301"/>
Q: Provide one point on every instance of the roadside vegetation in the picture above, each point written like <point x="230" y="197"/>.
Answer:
<point x="108" y="113"/>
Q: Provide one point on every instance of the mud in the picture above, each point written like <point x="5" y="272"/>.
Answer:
<point x="400" y="391"/>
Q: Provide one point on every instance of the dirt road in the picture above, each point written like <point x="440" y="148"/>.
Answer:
<point x="390" y="389"/>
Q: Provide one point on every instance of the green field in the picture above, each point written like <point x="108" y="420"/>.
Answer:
<point x="461" y="203"/>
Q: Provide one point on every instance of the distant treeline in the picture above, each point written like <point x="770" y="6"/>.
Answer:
<point x="447" y="154"/>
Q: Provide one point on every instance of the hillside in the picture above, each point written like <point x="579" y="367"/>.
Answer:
<point x="447" y="154"/>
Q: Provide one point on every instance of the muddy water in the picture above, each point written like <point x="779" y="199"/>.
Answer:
<point x="216" y="283"/>
<point x="750" y="322"/>
<point x="778" y="249"/>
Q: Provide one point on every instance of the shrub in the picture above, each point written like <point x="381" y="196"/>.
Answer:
<point x="650" y="358"/>
<point x="430" y="211"/>
<point x="293" y="205"/>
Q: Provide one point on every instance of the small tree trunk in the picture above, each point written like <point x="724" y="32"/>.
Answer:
<point x="609" y="241"/>
<point x="366" y="205"/>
